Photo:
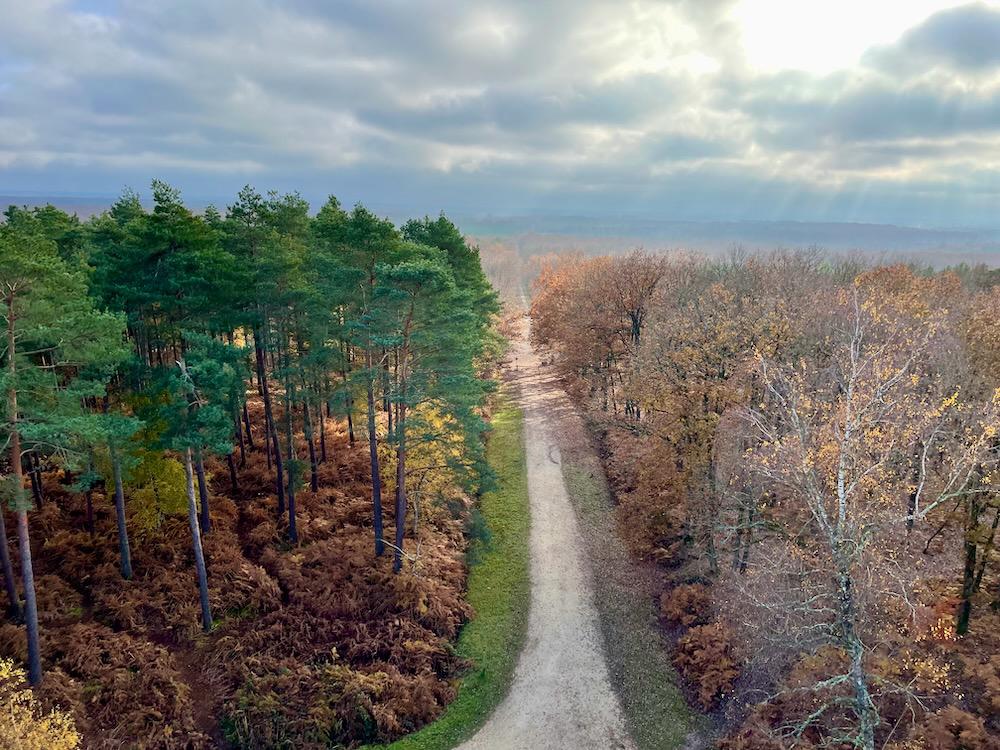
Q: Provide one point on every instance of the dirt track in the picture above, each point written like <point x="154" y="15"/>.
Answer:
<point x="561" y="696"/>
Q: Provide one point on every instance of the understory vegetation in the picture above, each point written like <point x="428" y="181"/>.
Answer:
<point x="243" y="453"/>
<point x="807" y="449"/>
<point x="498" y="591"/>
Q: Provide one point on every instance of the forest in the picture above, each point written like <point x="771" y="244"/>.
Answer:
<point x="805" y="448"/>
<point x="241" y="453"/>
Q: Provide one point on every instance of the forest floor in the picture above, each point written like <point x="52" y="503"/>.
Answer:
<point x="315" y="645"/>
<point x="563" y="693"/>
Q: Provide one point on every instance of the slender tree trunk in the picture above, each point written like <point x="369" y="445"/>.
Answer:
<point x="911" y="500"/>
<point x="402" y="361"/>
<point x="265" y="391"/>
<point x="206" y="521"/>
<point x="30" y="606"/>
<point x="199" y="555"/>
<point x="389" y="409"/>
<point x="385" y="384"/>
<point x="740" y="530"/>
<point x="38" y="475"/>
<point x="373" y="458"/>
<point x="322" y="434"/>
<point x="349" y="408"/>
<point x="246" y="426"/>
<point x="324" y="401"/>
<point x="34" y="476"/>
<point x="124" y="550"/>
<point x="969" y="571"/>
<point x="747" y="539"/>
<point x="13" y="600"/>
<point x="864" y="706"/>
<point x="987" y="548"/>
<point x="307" y="424"/>
<point x="293" y="531"/>
<point x="23" y="539"/>
<point x="271" y="431"/>
<point x="279" y="470"/>
<point x="233" y="479"/>
<point x="238" y="432"/>
<point x="397" y="560"/>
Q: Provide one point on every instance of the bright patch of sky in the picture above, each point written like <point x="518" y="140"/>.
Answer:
<point x="823" y="36"/>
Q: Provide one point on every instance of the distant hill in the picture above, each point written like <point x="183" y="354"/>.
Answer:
<point x="533" y="235"/>
<point x="540" y="234"/>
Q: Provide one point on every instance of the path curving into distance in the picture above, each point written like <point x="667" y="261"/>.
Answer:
<point x="561" y="696"/>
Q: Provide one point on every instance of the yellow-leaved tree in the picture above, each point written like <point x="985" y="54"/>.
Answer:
<point x="24" y="724"/>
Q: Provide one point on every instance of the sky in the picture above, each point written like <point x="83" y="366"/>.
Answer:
<point x="857" y="110"/>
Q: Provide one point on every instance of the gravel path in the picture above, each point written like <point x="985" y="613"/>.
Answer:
<point x="561" y="696"/>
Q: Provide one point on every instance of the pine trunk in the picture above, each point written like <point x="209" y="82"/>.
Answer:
<point x="206" y="521"/>
<point x="30" y="606"/>
<point x="23" y="540"/>
<point x="293" y="531"/>
<point x="373" y="457"/>
<point x="322" y="435"/>
<point x="349" y="408"/>
<point x="233" y="479"/>
<point x="13" y="600"/>
<point x="238" y="431"/>
<point x="308" y="427"/>
<point x="279" y="470"/>
<point x="124" y="550"/>
<point x="33" y="476"/>
<point x="402" y="361"/>
<point x="271" y="431"/>
<point x="397" y="560"/>
<point x="246" y="426"/>
<point x="199" y="555"/>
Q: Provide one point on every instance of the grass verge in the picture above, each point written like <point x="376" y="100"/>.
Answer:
<point x="657" y="714"/>
<point x="499" y="589"/>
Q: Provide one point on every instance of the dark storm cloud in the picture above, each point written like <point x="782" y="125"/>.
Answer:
<point x="494" y="105"/>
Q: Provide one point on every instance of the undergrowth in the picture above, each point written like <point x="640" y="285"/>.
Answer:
<point x="498" y="590"/>
<point x="317" y="645"/>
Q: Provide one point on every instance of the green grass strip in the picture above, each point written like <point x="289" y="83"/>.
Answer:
<point x="499" y="590"/>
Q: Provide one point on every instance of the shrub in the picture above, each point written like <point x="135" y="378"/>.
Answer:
<point x="951" y="728"/>
<point x="23" y="723"/>
<point x="687" y="604"/>
<point x="705" y="657"/>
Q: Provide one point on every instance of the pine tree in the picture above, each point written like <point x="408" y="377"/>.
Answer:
<point x="363" y="243"/>
<point x="59" y="351"/>
<point x="196" y="416"/>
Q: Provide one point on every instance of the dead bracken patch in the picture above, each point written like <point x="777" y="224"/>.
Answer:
<point x="315" y="645"/>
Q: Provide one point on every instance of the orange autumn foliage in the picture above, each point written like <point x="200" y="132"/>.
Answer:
<point x="763" y="394"/>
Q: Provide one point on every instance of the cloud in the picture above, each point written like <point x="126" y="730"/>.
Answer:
<point x="965" y="38"/>
<point x="493" y="105"/>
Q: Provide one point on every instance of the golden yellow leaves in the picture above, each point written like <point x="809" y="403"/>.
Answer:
<point x="23" y="723"/>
